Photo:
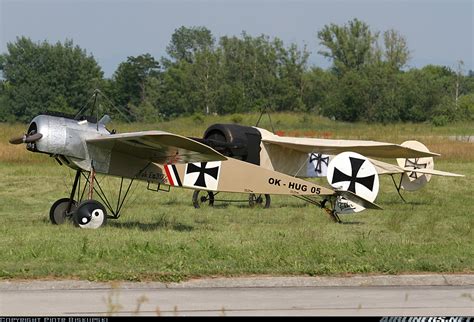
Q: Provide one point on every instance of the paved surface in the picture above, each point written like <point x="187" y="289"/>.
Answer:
<point x="414" y="295"/>
<point x="463" y="138"/>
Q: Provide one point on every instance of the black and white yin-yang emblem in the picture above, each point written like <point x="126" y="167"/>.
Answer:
<point x="353" y="172"/>
<point x="318" y="165"/>
<point x="204" y="175"/>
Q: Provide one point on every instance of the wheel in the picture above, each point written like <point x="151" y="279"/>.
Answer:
<point x="90" y="214"/>
<point x="257" y="200"/>
<point x="205" y="197"/>
<point x="57" y="213"/>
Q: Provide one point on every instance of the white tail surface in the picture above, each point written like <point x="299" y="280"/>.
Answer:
<point x="350" y="171"/>
<point x="414" y="180"/>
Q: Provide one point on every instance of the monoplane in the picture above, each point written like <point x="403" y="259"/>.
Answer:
<point x="311" y="158"/>
<point x="230" y="158"/>
<point x="158" y="157"/>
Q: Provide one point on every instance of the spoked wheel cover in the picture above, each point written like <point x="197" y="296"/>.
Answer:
<point x="90" y="214"/>
<point x="259" y="200"/>
<point x="57" y="213"/>
<point x="200" y="199"/>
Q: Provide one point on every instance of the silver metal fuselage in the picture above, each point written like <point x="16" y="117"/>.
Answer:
<point x="66" y="139"/>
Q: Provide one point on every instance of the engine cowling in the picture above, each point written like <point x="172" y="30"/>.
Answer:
<point x="236" y="141"/>
<point x="63" y="136"/>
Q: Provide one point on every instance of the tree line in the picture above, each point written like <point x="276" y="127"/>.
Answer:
<point x="368" y="79"/>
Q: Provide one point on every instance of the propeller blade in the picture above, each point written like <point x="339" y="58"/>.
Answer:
<point x="17" y="140"/>
<point x="26" y="138"/>
<point x="33" y="137"/>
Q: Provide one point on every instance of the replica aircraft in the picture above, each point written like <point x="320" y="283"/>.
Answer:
<point x="230" y="158"/>
<point x="163" y="158"/>
<point x="312" y="157"/>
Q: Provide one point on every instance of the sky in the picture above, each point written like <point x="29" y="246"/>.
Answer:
<point x="438" y="32"/>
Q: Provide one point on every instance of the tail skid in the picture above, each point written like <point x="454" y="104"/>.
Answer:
<point x="342" y="199"/>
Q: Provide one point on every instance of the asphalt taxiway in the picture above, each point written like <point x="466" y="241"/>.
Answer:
<point x="392" y="295"/>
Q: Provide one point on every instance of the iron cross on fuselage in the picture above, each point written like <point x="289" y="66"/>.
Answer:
<point x="201" y="181"/>
<point x="356" y="164"/>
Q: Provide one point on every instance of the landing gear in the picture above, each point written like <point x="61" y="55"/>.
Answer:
<point x="333" y="215"/>
<point x="206" y="197"/>
<point x="201" y="198"/>
<point x="328" y="204"/>
<point x="65" y="207"/>
<point x="90" y="214"/>
<point x="257" y="200"/>
<point x="331" y="211"/>
<point x="87" y="212"/>
<point x="59" y="211"/>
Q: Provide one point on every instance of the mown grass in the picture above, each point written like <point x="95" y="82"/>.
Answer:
<point x="162" y="237"/>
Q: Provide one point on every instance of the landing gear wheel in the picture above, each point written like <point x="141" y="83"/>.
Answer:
<point x="257" y="200"/>
<point x="90" y="214"/>
<point x="200" y="200"/>
<point x="58" y="212"/>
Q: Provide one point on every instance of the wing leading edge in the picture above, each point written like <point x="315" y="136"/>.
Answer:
<point x="333" y="147"/>
<point x="388" y="168"/>
<point x="157" y="146"/>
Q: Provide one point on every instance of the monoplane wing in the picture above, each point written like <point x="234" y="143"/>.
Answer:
<point x="333" y="147"/>
<point x="434" y="172"/>
<point x="156" y="146"/>
<point x="388" y="168"/>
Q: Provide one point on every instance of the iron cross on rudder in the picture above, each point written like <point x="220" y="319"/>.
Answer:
<point x="318" y="157"/>
<point x="356" y="164"/>
<point x="415" y="165"/>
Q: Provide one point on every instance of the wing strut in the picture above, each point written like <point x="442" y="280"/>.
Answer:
<point x="262" y="111"/>
<point x="398" y="187"/>
<point x="92" y="181"/>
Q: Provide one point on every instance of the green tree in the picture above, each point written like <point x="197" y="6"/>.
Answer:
<point x="41" y="76"/>
<point x="291" y="82"/>
<point x="396" y="52"/>
<point x="466" y="107"/>
<point x="350" y="46"/>
<point x="385" y="96"/>
<point x="235" y="70"/>
<point x="187" y="41"/>
<point x="426" y="91"/>
<point x="258" y="71"/>
<point x="174" y="96"/>
<point x="319" y="86"/>
<point x="130" y="80"/>
<point x="204" y="81"/>
<point x="348" y="97"/>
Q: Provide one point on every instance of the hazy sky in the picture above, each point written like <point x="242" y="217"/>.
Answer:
<point x="437" y="32"/>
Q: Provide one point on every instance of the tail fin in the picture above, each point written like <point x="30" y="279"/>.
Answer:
<point x="415" y="180"/>
<point x="356" y="181"/>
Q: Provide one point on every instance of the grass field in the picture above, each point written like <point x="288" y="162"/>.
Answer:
<point x="162" y="237"/>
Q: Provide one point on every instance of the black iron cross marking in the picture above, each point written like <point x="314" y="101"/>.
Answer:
<point x="201" y="182"/>
<point x="415" y="165"/>
<point x="367" y="182"/>
<point x="318" y="157"/>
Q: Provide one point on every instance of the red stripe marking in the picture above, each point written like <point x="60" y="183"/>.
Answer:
<point x="168" y="174"/>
